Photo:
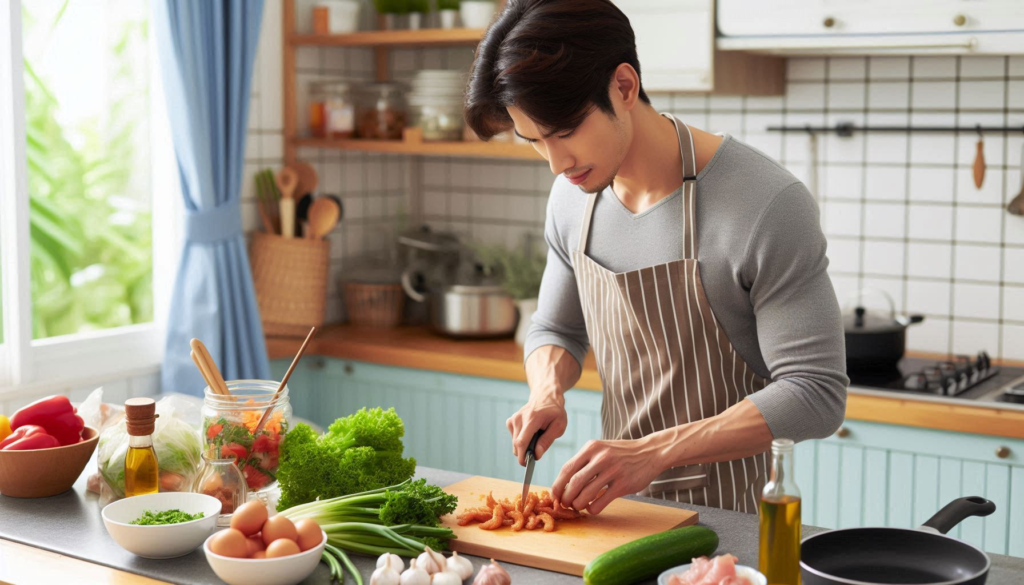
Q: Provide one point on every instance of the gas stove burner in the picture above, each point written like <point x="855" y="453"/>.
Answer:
<point x="951" y="377"/>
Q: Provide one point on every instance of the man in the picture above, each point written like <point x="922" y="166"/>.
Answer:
<point x="693" y="264"/>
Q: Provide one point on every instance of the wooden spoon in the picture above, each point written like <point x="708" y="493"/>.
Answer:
<point x="219" y="385"/>
<point x="323" y="217"/>
<point x="308" y="179"/>
<point x="284" y="382"/>
<point x="287" y="181"/>
<point x="979" y="163"/>
<point x="1016" y="205"/>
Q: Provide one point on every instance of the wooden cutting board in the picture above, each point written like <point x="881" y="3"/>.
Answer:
<point x="572" y="545"/>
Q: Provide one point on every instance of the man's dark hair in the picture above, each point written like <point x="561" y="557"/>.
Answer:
<point x="552" y="59"/>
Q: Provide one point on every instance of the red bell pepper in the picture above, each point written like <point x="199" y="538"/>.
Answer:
<point x="56" y="415"/>
<point x="28" y="437"/>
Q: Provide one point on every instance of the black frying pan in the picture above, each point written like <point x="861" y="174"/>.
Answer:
<point x="871" y="556"/>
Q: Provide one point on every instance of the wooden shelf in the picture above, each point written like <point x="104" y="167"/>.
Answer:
<point x="431" y="37"/>
<point x="421" y="148"/>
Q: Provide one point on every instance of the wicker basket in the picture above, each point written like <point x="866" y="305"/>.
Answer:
<point x="290" y="276"/>
<point x="374" y="305"/>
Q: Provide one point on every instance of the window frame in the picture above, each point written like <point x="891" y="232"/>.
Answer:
<point x="117" y="353"/>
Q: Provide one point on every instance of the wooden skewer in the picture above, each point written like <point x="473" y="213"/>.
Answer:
<point x="218" y="386"/>
<point x="284" y="382"/>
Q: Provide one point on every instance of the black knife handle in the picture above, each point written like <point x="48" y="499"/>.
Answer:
<point x="531" y="450"/>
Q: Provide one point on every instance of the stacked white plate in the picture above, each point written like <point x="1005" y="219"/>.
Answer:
<point x="436" y="98"/>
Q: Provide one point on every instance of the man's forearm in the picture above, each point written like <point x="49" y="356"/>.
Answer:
<point x="550" y="371"/>
<point x="738" y="432"/>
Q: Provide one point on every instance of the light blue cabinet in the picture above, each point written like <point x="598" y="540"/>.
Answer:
<point x="875" y="475"/>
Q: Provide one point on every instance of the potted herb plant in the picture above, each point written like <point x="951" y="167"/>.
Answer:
<point x="520" y="274"/>
<point x="417" y="13"/>
<point x="390" y="10"/>
<point x="449" y="11"/>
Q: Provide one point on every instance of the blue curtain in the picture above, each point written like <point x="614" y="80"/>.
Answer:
<point x="207" y="49"/>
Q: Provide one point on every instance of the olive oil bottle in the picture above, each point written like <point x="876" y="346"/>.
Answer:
<point x="779" y="548"/>
<point x="141" y="471"/>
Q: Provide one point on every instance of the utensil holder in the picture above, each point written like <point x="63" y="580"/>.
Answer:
<point x="290" y="276"/>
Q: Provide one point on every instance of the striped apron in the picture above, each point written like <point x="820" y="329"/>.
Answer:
<point x="665" y="361"/>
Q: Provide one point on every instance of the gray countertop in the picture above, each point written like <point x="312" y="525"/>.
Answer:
<point x="70" y="524"/>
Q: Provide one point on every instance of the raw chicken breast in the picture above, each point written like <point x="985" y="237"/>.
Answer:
<point x="703" y="571"/>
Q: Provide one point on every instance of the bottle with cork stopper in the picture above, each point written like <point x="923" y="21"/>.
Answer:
<point x="141" y="471"/>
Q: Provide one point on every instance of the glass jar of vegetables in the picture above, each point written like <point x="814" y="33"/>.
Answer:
<point x="231" y="428"/>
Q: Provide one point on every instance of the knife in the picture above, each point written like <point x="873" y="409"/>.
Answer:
<point x="529" y="464"/>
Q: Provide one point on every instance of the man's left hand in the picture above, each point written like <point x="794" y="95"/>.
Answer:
<point x="623" y="467"/>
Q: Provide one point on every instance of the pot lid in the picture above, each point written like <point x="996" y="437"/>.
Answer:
<point x="475" y="289"/>
<point x="865" y="320"/>
<point x="425" y="239"/>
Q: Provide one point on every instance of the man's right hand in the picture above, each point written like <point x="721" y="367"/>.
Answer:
<point x="550" y="371"/>
<point x="547" y="412"/>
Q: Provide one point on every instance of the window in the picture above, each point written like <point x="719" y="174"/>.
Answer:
<point x="84" y="162"/>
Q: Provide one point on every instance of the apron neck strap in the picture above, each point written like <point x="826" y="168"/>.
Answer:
<point x="689" y="161"/>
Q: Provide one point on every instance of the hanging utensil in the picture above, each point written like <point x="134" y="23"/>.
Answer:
<point x="979" y="161"/>
<point x="284" y="382"/>
<point x="1016" y="205"/>
<point x="287" y="181"/>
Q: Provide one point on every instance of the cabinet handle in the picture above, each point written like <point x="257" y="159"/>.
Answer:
<point x="959" y="20"/>
<point x="1002" y="451"/>
<point x="843" y="432"/>
<point x="829" y="22"/>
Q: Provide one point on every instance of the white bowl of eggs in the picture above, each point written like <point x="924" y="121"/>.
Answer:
<point x="259" y="549"/>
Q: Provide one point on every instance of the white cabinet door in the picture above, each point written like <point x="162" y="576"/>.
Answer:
<point x="674" y="41"/>
<point x="866" y="17"/>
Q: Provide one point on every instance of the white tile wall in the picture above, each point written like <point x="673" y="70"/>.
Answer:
<point x="901" y="211"/>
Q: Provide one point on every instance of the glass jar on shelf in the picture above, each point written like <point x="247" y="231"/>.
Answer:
<point x="382" y="111"/>
<point x="231" y="428"/>
<point x="219" y="477"/>
<point x="339" y="109"/>
<point x="440" y="118"/>
<point x="317" y="123"/>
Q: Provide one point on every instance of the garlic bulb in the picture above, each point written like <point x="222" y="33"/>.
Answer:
<point x="493" y="574"/>
<point x="396" y="562"/>
<point x="385" y="575"/>
<point x="446" y="578"/>
<point x="431" y="562"/>
<point x="461" y="566"/>
<point x="415" y="575"/>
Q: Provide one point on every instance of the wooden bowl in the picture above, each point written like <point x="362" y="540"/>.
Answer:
<point x="39" y="473"/>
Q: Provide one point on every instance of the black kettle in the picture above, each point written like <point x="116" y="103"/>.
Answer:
<point x="875" y="339"/>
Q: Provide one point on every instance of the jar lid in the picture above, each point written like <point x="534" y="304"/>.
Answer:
<point x="141" y="416"/>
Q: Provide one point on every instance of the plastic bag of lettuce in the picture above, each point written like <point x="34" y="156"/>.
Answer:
<point x="176" y="442"/>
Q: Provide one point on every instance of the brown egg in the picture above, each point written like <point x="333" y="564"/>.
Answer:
<point x="255" y="543"/>
<point x="279" y="527"/>
<point x="229" y="543"/>
<point x="282" y="547"/>
<point x="249" y="517"/>
<point x="309" y="534"/>
<point x="260" y="554"/>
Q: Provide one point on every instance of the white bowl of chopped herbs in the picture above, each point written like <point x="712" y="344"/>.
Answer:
<point x="162" y="526"/>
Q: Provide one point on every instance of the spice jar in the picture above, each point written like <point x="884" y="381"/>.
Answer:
<point x="317" y="120"/>
<point x="382" y="111"/>
<point x="339" y="109"/>
<point x="221" y="478"/>
<point x="229" y="428"/>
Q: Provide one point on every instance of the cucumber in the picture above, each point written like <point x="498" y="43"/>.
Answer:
<point x="649" y="556"/>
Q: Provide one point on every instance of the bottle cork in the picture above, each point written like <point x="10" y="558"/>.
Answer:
<point x="141" y="416"/>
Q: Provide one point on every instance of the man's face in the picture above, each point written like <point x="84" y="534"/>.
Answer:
<point x="588" y="156"/>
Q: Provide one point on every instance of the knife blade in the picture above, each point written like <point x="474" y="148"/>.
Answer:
<point x="529" y="464"/>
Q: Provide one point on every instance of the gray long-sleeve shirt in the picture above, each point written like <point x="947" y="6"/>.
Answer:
<point x="762" y="260"/>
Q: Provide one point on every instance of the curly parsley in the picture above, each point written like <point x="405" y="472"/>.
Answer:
<point x="150" y="518"/>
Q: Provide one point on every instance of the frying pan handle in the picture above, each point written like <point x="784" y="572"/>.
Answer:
<point x="957" y="510"/>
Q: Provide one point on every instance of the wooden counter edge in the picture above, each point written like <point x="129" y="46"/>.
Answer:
<point x="21" y="563"/>
<point x="421" y="351"/>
